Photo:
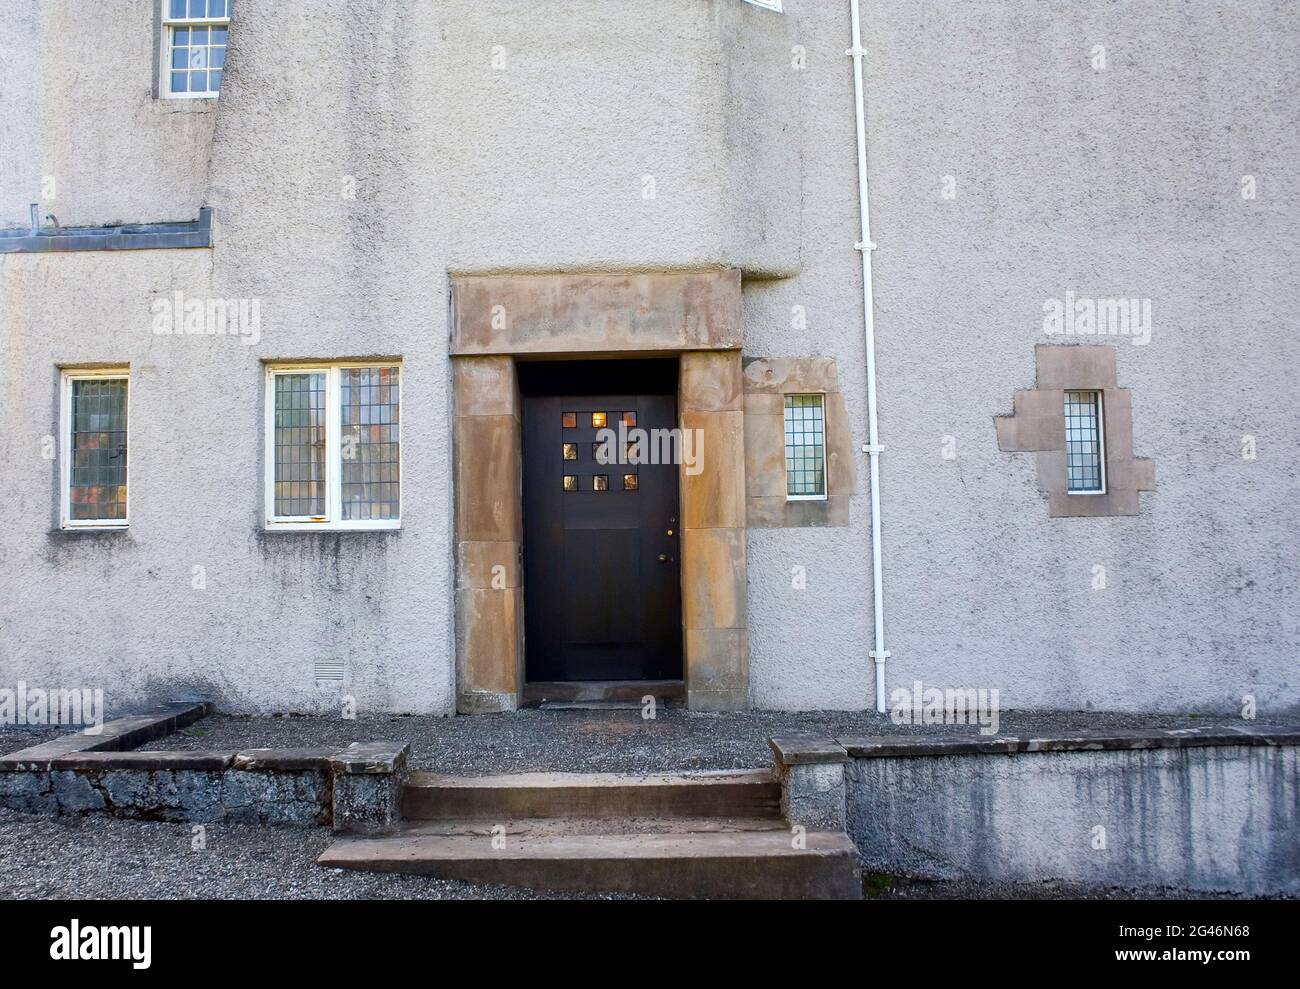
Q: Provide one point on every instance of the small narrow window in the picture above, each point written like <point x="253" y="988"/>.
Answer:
<point x="94" y="428"/>
<point x="1085" y="459"/>
<point x="334" y="446"/>
<point x="805" y="447"/>
<point x="195" y="33"/>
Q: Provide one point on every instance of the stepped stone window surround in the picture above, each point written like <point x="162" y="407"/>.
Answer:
<point x="1038" y="425"/>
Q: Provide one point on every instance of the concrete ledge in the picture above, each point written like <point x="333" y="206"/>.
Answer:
<point x="112" y="736"/>
<point x="797" y="750"/>
<point x="145" y="761"/>
<point x="919" y="745"/>
<point x="284" y="760"/>
<point x="371" y="757"/>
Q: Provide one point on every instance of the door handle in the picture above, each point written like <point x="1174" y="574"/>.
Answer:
<point x="663" y="557"/>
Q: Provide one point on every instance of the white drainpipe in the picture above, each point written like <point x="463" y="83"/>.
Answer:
<point x="873" y="448"/>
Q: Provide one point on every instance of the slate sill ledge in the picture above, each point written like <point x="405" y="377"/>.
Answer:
<point x="123" y="237"/>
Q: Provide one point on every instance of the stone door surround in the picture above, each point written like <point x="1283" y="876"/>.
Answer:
<point x="501" y="318"/>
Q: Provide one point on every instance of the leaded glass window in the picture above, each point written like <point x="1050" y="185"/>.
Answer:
<point x="805" y="447"/>
<point x="1084" y="460"/>
<point x="300" y="445"/>
<point x="335" y="439"/>
<point x="96" y="438"/>
<point x="369" y="411"/>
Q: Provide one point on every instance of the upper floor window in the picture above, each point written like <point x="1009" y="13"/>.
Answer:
<point x="194" y="47"/>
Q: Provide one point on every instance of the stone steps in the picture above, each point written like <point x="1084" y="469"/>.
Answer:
<point x="680" y="835"/>
<point x="678" y="864"/>
<point x="429" y="796"/>
<point x="538" y="827"/>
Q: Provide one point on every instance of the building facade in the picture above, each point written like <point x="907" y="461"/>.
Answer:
<point x="306" y="381"/>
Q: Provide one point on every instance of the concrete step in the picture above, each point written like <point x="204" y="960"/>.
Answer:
<point x="681" y="864"/>
<point x="541" y="827"/>
<point x="734" y="794"/>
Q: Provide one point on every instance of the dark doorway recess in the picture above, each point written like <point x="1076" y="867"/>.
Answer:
<point x="602" y="591"/>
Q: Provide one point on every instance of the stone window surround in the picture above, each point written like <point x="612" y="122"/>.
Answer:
<point x="1037" y="425"/>
<point x="767" y="381"/>
<point x="499" y="319"/>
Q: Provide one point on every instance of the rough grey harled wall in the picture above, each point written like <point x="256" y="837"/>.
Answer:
<point x="1214" y="818"/>
<point x="1121" y="181"/>
<point x="76" y="96"/>
<point x="1124" y="181"/>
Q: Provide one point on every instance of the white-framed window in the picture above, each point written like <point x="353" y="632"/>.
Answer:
<point x="333" y="446"/>
<point x="805" y="447"/>
<point x="767" y="4"/>
<point x="93" y="436"/>
<point x="193" y="47"/>
<point x="1085" y="443"/>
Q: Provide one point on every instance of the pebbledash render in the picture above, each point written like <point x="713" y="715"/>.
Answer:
<point x="302" y="380"/>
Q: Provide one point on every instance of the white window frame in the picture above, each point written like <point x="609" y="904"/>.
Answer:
<point x="333" y="517"/>
<point x="826" y="474"/>
<point x="774" y="5"/>
<point x="1101" y="444"/>
<point x="66" y="378"/>
<point x="165" y="48"/>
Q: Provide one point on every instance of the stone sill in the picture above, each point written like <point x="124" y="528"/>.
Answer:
<point x="326" y="530"/>
<point x="88" y="531"/>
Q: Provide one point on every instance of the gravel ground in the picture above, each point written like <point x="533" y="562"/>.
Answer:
<point x="892" y="888"/>
<point x="15" y="737"/>
<point x="97" y="857"/>
<point x="604" y="741"/>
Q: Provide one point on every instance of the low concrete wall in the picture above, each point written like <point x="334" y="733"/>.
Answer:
<point x="198" y="787"/>
<point x="1212" y="809"/>
<point x="356" y="789"/>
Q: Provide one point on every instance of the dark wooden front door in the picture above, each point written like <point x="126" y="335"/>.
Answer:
<point x="602" y="594"/>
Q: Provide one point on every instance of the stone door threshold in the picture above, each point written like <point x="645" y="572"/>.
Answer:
<point x="603" y="692"/>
